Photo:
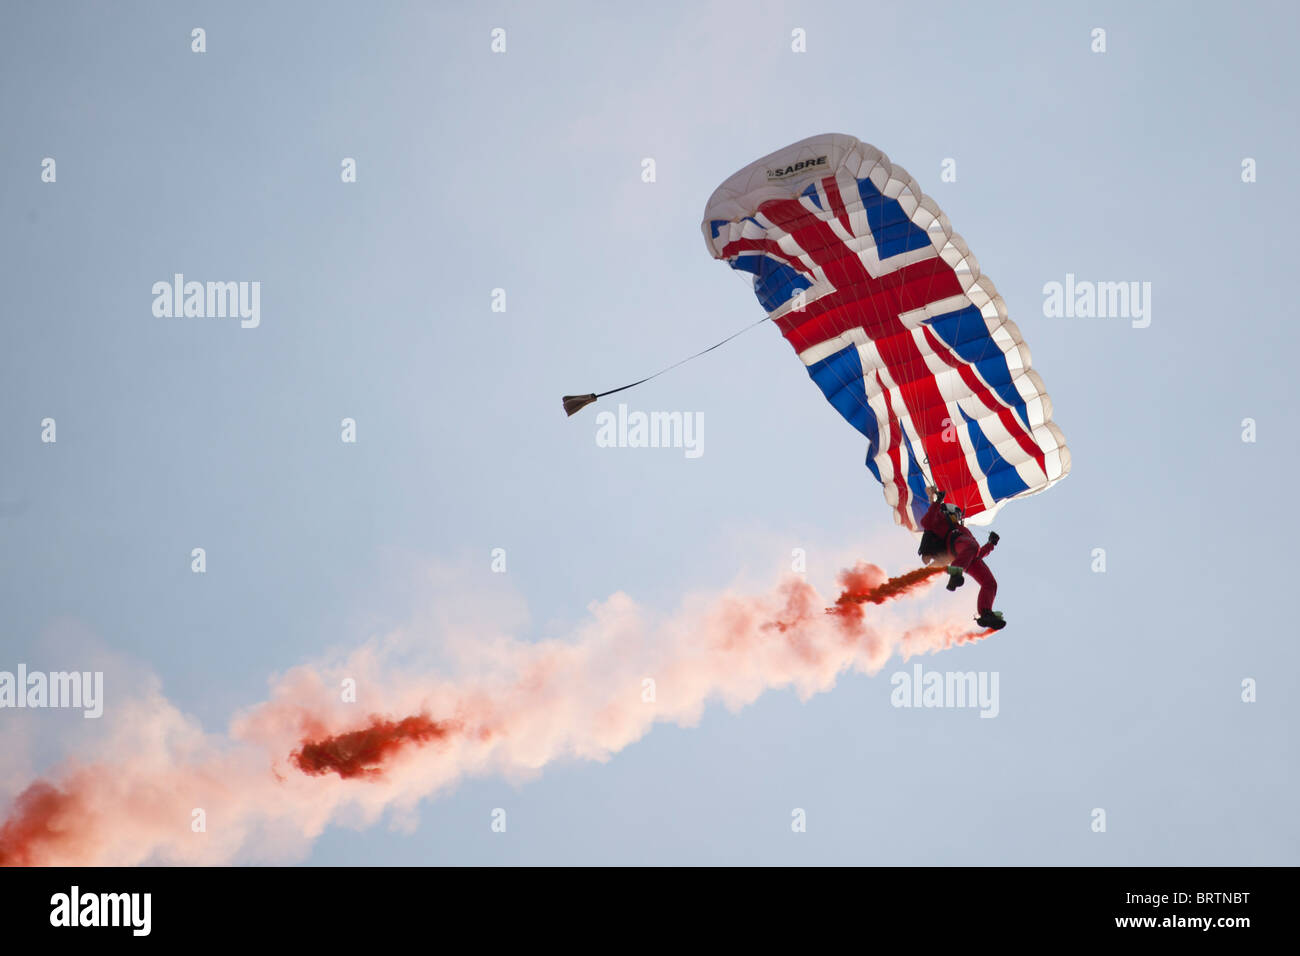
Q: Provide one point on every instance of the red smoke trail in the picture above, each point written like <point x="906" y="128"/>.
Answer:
<point x="516" y="707"/>
<point x="861" y="587"/>
<point x="969" y="638"/>
<point x="361" y="753"/>
<point x="38" y="818"/>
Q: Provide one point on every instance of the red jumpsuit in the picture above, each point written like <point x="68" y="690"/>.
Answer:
<point x="966" y="553"/>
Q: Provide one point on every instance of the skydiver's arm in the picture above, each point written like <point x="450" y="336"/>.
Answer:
<point x="993" y="540"/>
<point x="935" y="520"/>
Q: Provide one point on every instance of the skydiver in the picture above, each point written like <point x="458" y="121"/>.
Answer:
<point x="947" y="535"/>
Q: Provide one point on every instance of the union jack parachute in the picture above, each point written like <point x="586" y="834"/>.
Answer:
<point x="887" y="309"/>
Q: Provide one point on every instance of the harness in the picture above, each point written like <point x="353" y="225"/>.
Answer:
<point x="933" y="544"/>
<point x="954" y="534"/>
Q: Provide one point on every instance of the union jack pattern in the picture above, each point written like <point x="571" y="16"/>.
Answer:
<point x="890" y="314"/>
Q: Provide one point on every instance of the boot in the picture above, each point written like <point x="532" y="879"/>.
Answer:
<point x="991" y="619"/>
<point x="955" y="578"/>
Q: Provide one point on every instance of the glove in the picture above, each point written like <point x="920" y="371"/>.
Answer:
<point x="939" y="496"/>
<point x="993" y="538"/>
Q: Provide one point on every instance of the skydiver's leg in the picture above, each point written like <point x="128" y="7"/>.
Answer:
<point x="963" y="553"/>
<point x="978" y="570"/>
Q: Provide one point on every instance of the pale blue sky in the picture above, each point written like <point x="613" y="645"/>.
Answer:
<point x="522" y="171"/>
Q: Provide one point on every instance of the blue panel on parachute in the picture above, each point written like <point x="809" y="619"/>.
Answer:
<point x="715" y="225"/>
<point x="915" y="481"/>
<point x="1003" y="479"/>
<point x="893" y="230"/>
<point x="774" y="282"/>
<point x="839" y="376"/>
<point x="967" y="334"/>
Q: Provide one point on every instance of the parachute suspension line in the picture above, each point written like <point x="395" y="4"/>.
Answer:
<point x="574" y="403"/>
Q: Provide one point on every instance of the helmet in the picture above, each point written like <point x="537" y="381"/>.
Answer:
<point x="953" y="512"/>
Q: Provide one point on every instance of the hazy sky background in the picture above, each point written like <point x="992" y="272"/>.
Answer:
<point x="523" y="171"/>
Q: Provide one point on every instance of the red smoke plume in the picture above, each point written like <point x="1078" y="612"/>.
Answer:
<point x="36" y="820"/>
<point x="519" y="706"/>
<point x="861" y="587"/>
<point x="360" y="753"/>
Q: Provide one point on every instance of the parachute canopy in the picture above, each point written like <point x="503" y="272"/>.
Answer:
<point x="888" y="311"/>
